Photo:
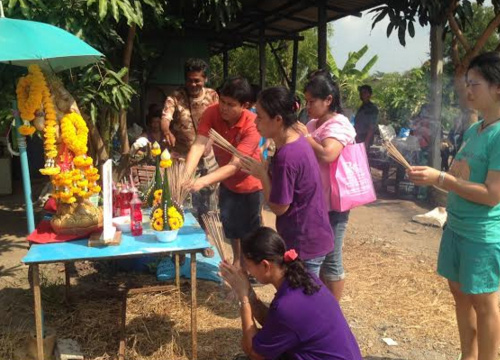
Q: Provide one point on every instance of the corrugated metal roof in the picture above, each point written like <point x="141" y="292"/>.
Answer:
<point x="281" y="19"/>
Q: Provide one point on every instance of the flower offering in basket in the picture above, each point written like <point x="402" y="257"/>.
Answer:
<point x="167" y="216"/>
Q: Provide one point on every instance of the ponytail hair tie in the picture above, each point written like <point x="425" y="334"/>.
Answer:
<point x="296" y="106"/>
<point x="290" y="256"/>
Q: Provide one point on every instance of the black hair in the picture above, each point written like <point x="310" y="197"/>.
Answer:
<point x="265" y="244"/>
<point x="238" y="88"/>
<point x="488" y="65"/>
<point x="279" y="101"/>
<point x="154" y="110"/>
<point x="256" y="89"/>
<point x="317" y="72"/>
<point x="365" y="87"/>
<point x="321" y="86"/>
<point x="194" y="64"/>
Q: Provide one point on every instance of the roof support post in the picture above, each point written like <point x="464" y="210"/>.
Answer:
<point x="262" y="56"/>
<point x="322" y="34"/>
<point x="295" y="58"/>
<point x="225" y="64"/>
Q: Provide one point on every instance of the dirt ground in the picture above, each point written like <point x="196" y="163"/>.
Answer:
<point x="392" y="291"/>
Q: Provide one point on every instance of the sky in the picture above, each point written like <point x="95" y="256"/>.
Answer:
<point x="352" y="33"/>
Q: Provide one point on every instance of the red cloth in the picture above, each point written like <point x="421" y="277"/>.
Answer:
<point x="243" y="136"/>
<point x="50" y="205"/>
<point x="44" y="234"/>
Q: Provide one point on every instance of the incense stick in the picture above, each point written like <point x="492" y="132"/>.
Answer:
<point x="215" y="231"/>
<point x="396" y="155"/>
<point x="178" y="178"/>
<point x="222" y="143"/>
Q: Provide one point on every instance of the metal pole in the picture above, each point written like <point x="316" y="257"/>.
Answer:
<point x="225" y="64"/>
<point x="262" y="57"/>
<point x="294" y="64"/>
<point x="322" y="34"/>
<point x="25" y="169"/>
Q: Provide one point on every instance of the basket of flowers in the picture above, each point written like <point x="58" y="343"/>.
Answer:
<point x="167" y="216"/>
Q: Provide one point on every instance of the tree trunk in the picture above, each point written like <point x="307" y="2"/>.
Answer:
<point x="122" y="128"/>
<point x="437" y="51"/>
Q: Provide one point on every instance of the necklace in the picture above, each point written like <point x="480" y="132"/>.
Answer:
<point x="491" y="123"/>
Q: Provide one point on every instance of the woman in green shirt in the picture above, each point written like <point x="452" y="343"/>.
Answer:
<point x="469" y="255"/>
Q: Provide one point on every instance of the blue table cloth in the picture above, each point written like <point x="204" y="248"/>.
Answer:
<point x="191" y="238"/>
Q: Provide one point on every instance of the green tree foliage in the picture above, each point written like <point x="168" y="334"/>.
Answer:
<point x="104" y="24"/>
<point x="244" y="61"/>
<point x="349" y="77"/>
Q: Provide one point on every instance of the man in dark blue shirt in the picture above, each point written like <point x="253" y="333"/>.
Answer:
<point x="366" y="118"/>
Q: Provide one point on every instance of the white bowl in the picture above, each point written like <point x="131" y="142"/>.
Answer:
<point x="122" y="223"/>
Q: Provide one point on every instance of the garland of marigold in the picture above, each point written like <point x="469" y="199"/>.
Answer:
<point x="31" y="91"/>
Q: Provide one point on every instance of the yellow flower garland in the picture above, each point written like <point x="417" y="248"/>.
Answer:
<point x="29" y="92"/>
<point x="74" y="133"/>
<point x="33" y="95"/>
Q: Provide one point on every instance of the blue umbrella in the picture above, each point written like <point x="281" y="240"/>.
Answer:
<point x="24" y="43"/>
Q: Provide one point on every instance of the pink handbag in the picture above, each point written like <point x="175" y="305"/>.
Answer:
<point x="351" y="180"/>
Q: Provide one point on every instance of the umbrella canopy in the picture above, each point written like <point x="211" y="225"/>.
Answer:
<point x="25" y="42"/>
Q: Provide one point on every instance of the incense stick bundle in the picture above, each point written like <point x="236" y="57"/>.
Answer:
<point x="396" y="155"/>
<point x="177" y="180"/>
<point x="224" y="144"/>
<point x="214" y="230"/>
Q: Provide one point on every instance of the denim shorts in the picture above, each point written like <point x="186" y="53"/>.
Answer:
<point x="314" y="265"/>
<point x="474" y="265"/>
<point x="240" y="213"/>
<point x="333" y="269"/>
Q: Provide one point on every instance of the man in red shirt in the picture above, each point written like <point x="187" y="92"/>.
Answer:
<point x="240" y="195"/>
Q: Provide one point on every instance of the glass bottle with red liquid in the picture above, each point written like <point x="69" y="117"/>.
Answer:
<point x="135" y="214"/>
<point x="125" y="198"/>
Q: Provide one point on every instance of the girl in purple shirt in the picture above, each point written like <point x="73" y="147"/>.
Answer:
<point x="303" y="322"/>
<point x="294" y="191"/>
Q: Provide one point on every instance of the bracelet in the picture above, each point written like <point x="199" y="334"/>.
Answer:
<point x="244" y="301"/>
<point x="307" y="135"/>
<point x="442" y="175"/>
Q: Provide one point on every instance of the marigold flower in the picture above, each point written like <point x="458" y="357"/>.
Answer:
<point x="158" y="224"/>
<point x="158" y="213"/>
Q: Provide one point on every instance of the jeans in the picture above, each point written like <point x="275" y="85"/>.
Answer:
<point x="333" y="269"/>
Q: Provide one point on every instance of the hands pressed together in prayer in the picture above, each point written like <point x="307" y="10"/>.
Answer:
<point x="251" y="166"/>
<point x="236" y="278"/>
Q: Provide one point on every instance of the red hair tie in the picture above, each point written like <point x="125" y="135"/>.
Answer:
<point x="290" y="255"/>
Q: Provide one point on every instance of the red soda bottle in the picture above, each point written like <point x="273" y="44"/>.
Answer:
<point x="135" y="215"/>
<point x="125" y="196"/>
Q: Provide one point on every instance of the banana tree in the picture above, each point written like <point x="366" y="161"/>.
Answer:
<point x="349" y="77"/>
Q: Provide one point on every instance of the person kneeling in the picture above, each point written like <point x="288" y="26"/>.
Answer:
<point x="304" y="320"/>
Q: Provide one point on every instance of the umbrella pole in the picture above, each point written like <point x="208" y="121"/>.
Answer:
<point x="25" y="170"/>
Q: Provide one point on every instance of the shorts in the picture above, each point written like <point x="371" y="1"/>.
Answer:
<point x="240" y="213"/>
<point x="314" y="265"/>
<point x="332" y="268"/>
<point x="474" y="265"/>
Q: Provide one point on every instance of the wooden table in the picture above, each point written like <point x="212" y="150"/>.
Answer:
<point x="191" y="240"/>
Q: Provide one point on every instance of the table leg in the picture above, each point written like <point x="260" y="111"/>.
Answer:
<point x="38" y="311"/>
<point x="123" y="324"/>
<point x="194" y="308"/>
<point x="178" y="277"/>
